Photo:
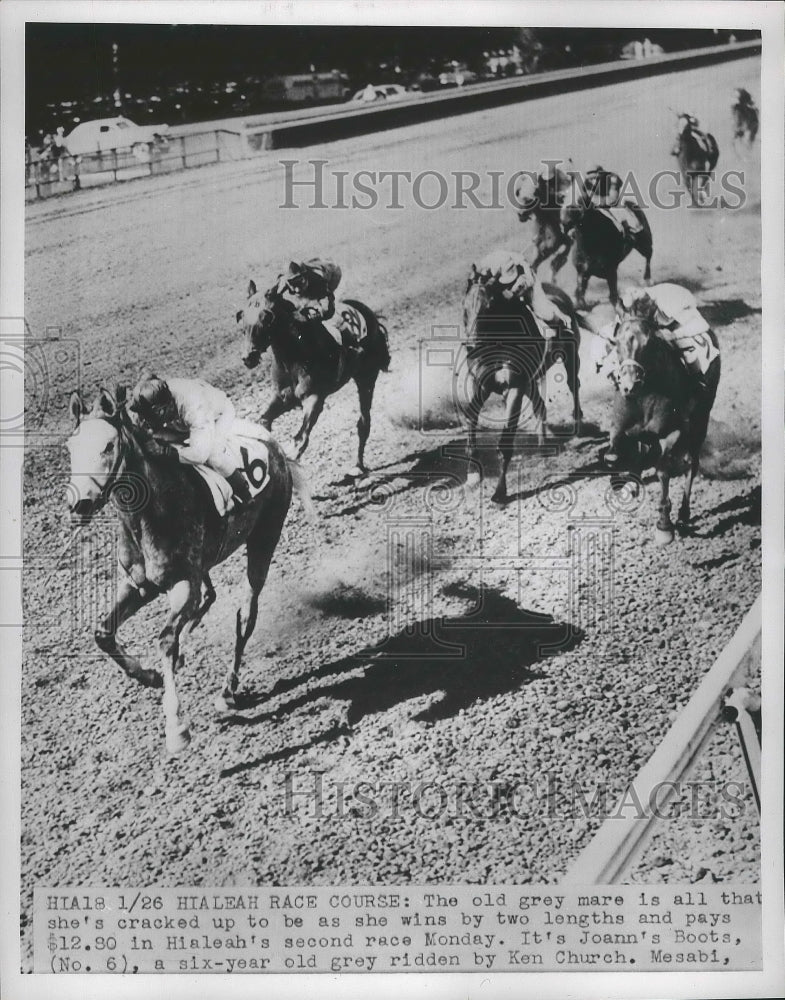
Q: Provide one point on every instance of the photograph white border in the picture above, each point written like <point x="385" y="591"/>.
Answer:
<point x="767" y="17"/>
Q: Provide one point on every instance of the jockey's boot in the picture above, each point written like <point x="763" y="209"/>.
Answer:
<point x="240" y="491"/>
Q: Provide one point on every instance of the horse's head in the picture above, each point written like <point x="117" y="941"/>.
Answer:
<point x="482" y="292"/>
<point x="574" y="200"/>
<point x="256" y="321"/>
<point x="95" y="448"/>
<point x="526" y="196"/>
<point x="634" y="332"/>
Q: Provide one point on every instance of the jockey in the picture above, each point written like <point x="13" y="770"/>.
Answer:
<point x="309" y="287"/>
<point x="689" y="123"/>
<point x="681" y="325"/>
<point x="744" y="98"/>
<point x="551" y="185"/>
<point x="519" y="281"/>
<point x="195" y="414"/>
<point x="604" y="188"/>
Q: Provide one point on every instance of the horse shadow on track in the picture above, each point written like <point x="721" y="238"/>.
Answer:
<point x="724" y="312"/>
<point x="448" y="461"/>
<point x="744" y="510"/>
<point x="490" y="650"/>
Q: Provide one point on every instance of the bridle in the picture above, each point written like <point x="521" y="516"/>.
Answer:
<point x="104" y="490"/>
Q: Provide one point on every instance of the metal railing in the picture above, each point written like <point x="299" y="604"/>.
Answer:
<point x="52" y="176"/>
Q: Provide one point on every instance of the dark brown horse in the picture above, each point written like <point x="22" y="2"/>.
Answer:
<point x="662" y="412"/>
<point x="507" y="354"/>
<point x="746" y="120"/>
<point x="697" y="154"/>
<point x="601" y="244"/>
<point x="309" y="364"/>
<point x="170" y="538"/>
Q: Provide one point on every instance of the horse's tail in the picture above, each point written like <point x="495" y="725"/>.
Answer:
<point x="377" y="332"/>
<point x="302" y="489"/>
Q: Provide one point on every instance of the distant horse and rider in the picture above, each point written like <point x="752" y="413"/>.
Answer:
<point x="746" y="118"/>
<point x="697" y="154"/>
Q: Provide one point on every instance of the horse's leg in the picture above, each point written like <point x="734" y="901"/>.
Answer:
<point x="365" y="389"/>
<point x="572" y="364"/>
<point x="259" y="550"/>
<point x="207" y="602"/>
<point x="481" y="392"/>
<point x="664" y="531"/>
<point x="514" y="400"/>
<point x="274" y="405"/>
<point x="580" y="290"/>
<point x="312" y="407"/>
<point x="613" y="285"/>
<point x="183" y="601"/>
<point x="129" y="600"/>
<point x="684" y="509"/>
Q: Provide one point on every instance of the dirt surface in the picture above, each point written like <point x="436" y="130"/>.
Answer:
<point x="593" y="637"/>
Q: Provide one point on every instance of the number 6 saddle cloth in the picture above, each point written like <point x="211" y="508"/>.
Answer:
<point x="249" y="441"/>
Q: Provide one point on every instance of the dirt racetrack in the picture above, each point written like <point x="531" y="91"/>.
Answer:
<point x="593" y="638"/>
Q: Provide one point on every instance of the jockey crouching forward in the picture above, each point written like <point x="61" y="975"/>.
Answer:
<point x="603" y="189"/>
<point x="309" y="288"/>
<point x="518" y="281"/>
<point x="190" y="421"/>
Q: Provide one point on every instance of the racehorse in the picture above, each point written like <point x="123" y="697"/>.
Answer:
<point x="745" y="119"/>
<point x="697" y="154"/>
<point x="170" y="537"/>
<point x="309" y="364"/>
<point x="507" y="354"/>
<point x="601" y="243"/>
<point x="661" y="414"/>
<point x="550" y="241"/>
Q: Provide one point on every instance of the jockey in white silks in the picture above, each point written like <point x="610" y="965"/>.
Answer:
<point x="679" y="322"/>
<point x="194" y="423"/>
<point x="518" y="280"/>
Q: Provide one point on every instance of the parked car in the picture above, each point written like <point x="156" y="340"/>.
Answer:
<point x="380" y="92"/>
<point x="457" y="75"/>
<point x="103" y="134"/>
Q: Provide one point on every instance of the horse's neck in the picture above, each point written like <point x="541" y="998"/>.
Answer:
<point x="141" y="485"/>
<point x="664" y="371"/>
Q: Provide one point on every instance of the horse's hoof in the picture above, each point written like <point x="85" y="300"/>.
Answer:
<point x="358" y="472"/>
<point x="224" y="703"/>
<point x="663" y="536"/>
<point x="290" y="450"/>
<point x="473" y="480"/>
<point x="499" y="497"/>
<point x="177" y="739"/>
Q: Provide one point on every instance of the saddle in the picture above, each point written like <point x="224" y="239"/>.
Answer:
<point x="347" y="326"/>
<point x="255" y="465"/>
<point x="623" y="218"/>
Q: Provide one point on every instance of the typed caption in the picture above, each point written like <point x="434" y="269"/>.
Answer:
<point x="629" y="928"/>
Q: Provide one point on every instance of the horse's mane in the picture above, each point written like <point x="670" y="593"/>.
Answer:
<point x="644" y="308"/>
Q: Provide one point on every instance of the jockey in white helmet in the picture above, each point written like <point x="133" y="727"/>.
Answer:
<point x="680" y="324"/>
<point x="190" y="421"/>
<point x="518" y="280"/>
